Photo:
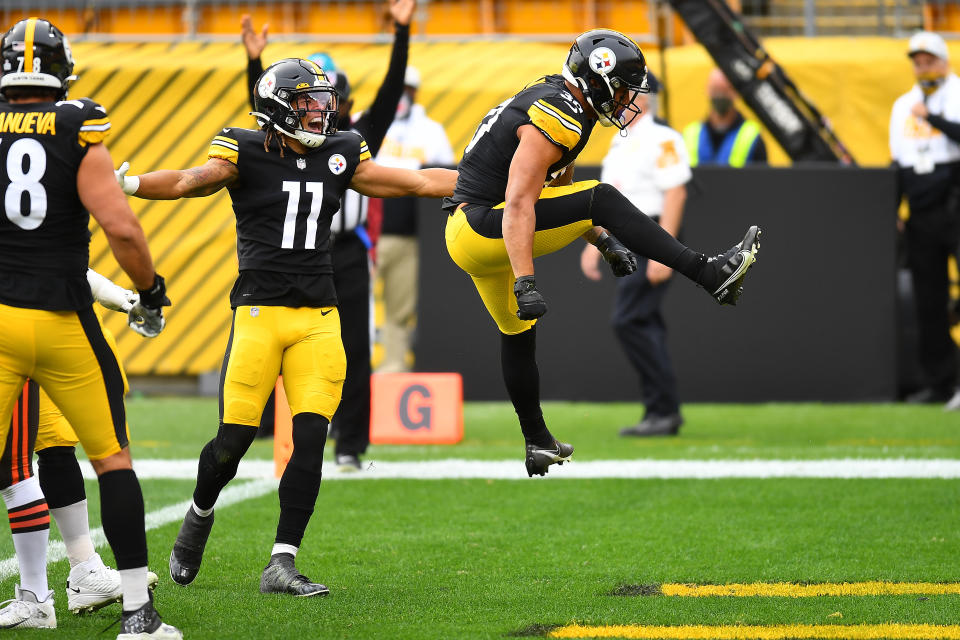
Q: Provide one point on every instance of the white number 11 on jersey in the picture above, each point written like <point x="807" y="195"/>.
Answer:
<point x="292" y="187"/>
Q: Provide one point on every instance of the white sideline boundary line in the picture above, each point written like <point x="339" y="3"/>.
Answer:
<point x="840" y="468"/>
<point x="153" y="520"/>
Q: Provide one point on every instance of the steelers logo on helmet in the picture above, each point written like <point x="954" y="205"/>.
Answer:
<point x="266" y="85"/>
<point x="602" y="60"/>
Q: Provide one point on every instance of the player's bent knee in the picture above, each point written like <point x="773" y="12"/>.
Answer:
<point x="514" y="326"/>
<point x="60" y="477"/>
<point x="232" y="442"/>
<point x="55" y="458"/>
<point x="609" y="208"/>
<point x="221" y="456"/>
<point x="113" y="462"/>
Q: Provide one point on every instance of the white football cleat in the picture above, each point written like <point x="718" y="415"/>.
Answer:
<point x="93" y="585"/>
<point x="26" y="611"/>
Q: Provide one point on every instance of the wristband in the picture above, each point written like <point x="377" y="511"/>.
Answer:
<point x="156" y="296"/>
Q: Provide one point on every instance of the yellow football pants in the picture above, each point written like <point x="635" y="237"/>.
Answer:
<point x="475" y="243"/>
<point x="303" y="342"/>
<point x="68" y="354"/>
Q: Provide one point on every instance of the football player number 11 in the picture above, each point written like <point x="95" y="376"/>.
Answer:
<point x="26" y="182"/>
<point x="293" y="189"/>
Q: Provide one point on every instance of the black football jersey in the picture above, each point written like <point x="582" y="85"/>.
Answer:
<point x="283" y="206"/>
<point x="44" y="236"/>
<point x="547" y="105"/>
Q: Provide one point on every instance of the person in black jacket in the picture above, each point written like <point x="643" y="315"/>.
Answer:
<point x="350" y="241"/>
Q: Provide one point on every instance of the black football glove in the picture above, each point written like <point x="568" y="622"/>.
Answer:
<point x="622" y="262"/>
<point x="146" y="317"/>
<point x="531" y="304"/>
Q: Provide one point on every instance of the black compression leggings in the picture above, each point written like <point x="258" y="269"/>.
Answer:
<point x="604" y="206"/>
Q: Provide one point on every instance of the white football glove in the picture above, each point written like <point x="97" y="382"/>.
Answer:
<point x="129" y="184"/>
<point x="110" y="295"/>
<point x="145" y="321"/>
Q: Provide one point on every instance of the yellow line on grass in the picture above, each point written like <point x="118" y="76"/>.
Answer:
<point x="763" y="632"/>
<point x="791" y="590"/>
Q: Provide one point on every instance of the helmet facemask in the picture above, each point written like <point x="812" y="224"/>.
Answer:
<point x="619" y="110"/>
<point x="318" y="107"/>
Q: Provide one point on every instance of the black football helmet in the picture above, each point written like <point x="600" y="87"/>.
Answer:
<point x="36" y="54"/>
<point x="290" y="89"/>
<point x="601" y="62"/>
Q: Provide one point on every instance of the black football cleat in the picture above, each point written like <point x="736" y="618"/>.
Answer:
<point x="281" y="576"/>
<point x="145" y="623"/>
<point x="187" y="551"/>
<point x="538" y="458"/>
<point x="668" y="425"/>
<point x="730" y="268"/>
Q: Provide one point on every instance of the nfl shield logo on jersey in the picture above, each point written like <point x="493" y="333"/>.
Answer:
<point x="338" y="164"/>
<point x="301" y="164"/>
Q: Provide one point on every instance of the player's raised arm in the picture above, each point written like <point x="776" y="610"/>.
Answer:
<point x="377" y="181"/>
<point x="172" y="184"/>
<point x="528" y="169"/>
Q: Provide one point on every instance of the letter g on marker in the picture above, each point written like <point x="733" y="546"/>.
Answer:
<point x="423" y="410"/>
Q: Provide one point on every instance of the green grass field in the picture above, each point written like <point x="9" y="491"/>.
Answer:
<point x="500" y="558"/>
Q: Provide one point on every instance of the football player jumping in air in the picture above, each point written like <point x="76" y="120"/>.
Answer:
<point x="54" y="169"/>
<point x="515" y="200"/>
<point x="285" y="180"/>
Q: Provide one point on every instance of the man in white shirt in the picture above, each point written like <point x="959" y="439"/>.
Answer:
<point x="650" y="166"/>
<point x="413" y="141"/>
<point x="925" y="147"/>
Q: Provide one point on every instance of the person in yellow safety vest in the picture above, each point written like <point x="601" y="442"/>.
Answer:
<point x="725" y="137"/>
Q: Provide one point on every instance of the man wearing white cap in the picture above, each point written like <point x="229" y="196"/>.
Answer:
<point x="925" y="146"/>
<point x="413" y="141"/>
<point x="651" y="167"/>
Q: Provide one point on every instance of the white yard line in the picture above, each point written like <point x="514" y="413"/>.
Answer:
<point x="261" y="472"/>
<point x="514" y="470"/>
<point x="154" y="519"/>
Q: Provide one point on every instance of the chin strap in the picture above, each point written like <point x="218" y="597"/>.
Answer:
<point x="310" y="140"/>
<point x="605" y="120"/>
